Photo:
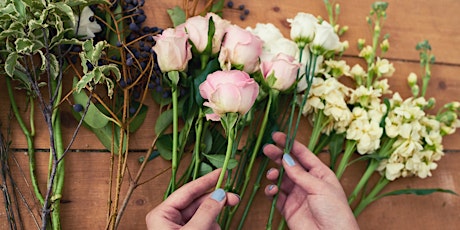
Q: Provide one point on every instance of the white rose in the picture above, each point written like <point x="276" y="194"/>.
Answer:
<point x="303" y="28"/>
<point x="267" y="32"/>
<point x="325" y="39"/>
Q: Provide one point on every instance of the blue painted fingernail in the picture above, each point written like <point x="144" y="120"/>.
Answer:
<point x="288" y="159"/>
<point x="269" y="171"/>
<point x="270" y="187"/>
<point x="218" y="195"/>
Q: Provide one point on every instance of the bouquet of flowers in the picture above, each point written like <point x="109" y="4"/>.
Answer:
<point x="235" y="75"/>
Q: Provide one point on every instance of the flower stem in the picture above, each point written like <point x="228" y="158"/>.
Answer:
<point x="317" y="127"/>
<point x="256" y="187"/>
<point x="373" y="164"/>
<point x="275" y="200"/>
<point x="29" y="136"/>
<point x="197" y="148"/>
<point x="228" y="154"/>
<point x="255" y="150"/>
<point x="372" y="196"/>
<point x="349" y="149"/>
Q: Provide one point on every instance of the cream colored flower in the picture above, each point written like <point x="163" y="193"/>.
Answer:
<point x="384" y="67"/>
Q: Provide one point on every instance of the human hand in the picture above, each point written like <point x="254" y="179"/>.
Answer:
<point x="191" y="207"/>
<point x="311" y="197"/>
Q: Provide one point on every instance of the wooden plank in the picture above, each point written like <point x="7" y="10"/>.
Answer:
<point x="86" y="189"/>
<point x="408" y="22"/>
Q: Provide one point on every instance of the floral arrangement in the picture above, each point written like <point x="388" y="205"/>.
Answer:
<point x="234" y="75"/>
<point x="222" y="90"/>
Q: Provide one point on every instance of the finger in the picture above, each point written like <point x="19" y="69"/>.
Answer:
<point x="273" y="152"/>
<point x="286" y="184"/>
<point x="301" y="177"/>
<point x="187" y="213"/>
<point x="208" y="211"/>
<point x="185" y="195"/>
<point x="271" y="190"/>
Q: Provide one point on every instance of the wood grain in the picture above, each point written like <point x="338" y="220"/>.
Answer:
<point x="410" y="21"/>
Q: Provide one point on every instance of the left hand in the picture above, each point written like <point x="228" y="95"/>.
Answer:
<point x="191" y="206"/>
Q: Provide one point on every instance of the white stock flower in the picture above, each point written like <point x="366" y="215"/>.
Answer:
<point x="383" y="86"/>
<point x="86" y="26"/>
<point x="365" y="97"/>
<point x="358" y="74"/>
<point x="384" y="67"/>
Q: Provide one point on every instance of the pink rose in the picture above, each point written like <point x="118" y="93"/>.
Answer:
<point x="197" y="29"/>
<point x="283" y="68"/>
<point x="173" y="50"/>
<point x="240" y="48"/>
<point x="220" y="26"/>
<point x="228" y="91"/>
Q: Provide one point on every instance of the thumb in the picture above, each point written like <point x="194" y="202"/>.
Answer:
<point x="205" y="216"/>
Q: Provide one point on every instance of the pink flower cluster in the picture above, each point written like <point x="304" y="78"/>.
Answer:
<point x="238" y="51"/>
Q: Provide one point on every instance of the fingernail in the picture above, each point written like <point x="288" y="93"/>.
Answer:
<point x="288" y="159"/>
<point x="218" y="195"/>
<point x="269" y="171"/>
<point x="270" y="187"/>
<point x="239" y="197"/>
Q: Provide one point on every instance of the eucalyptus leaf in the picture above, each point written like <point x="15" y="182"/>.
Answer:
<point x="218" y="160"/>
<point x="108" y="134"/>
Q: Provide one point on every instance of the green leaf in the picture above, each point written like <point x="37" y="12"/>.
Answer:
<point x="65" y="10"/>
<point x="218" y="160"/>
<point x="419" y="192"/>
<point x="164" y="146"/>
<point x="24" y="45"/>
<point x="336" y="146"/>
<point x="140" y="117"/>
<point x="163" y="121"/>
<point x="108" y="134"/>
<point x="218" y="7"/>
<point x="204" y="169"/>
<point x="177" y="15"/>
<point x="94" y="117"/>
<point x="10" y="63"/>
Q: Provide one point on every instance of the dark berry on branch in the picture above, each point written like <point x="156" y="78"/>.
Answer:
<point x="118" y="44"/>
<point x="129" y="61"/>
<point x="76" y="49"/>
<point x="241" y="7"/>
<point x="143" y="64"/>
<point x="230" y="4"/>
<point x="141" y="2"/>
<point x="151" y="85"/>
<point x="135" y="2"/>
<point x="246" y="11"/>
<point x="140" y="19"/>
<point x="136" y="94"/>
<point x="132" y="110"/>
<point x="123" y="83"/>
<point x="73" y="59"/>
<point x="242" y="17"/>
<point x="133" y="26"/>
<point x="77" y="108"/>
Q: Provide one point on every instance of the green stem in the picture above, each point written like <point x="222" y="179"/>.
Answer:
<point x="228" y="154"/>
<point x="29" y="136"/>
<point x="254" y="153"/>
<point x="317" y="127"/>
<point x="175" y="131"/>
<point x="197" y="148"/>
<point x="282" y="224"/>
<point x="349" y="149"/>
<point x="373" y="164"/>
<point x="275" y="200"/>
<point x="256" y="187"/>
<point x="372" y="196"/>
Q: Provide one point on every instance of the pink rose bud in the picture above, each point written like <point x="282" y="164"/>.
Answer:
<point x="240" y="48"/>
<point x="283" y="68"/>
<point x="228" y="92"/>
<point x="197" y="29"/>
<point x="220" y="26"/>
<point x="173" y="50"/>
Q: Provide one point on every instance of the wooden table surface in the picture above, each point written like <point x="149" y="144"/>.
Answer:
<point x="408" y="22"/>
